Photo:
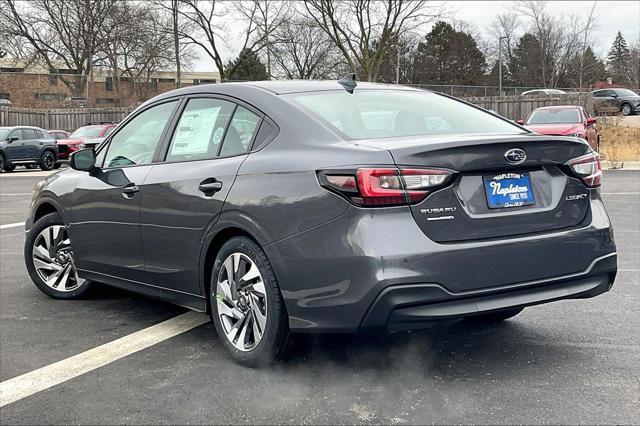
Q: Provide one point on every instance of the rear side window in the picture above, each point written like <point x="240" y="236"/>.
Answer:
<point x="240" y="134"/>
<point x="201" y="129"/>
<point x="40" y="134"/>
<point x="29" y="134"/>
<point x="372" y="114"/>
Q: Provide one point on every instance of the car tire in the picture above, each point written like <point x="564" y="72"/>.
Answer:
<point x="626" y="109"/>
<point x="57" y="166"/>
<point x="49" y="259"/>
<point x="47" y="161"/>
<point x="30" y="166"/>
<point x="494" y="317"/>
<point x="1" y="163"/>
<point x="9" y="167"/>
<point x="249" y="315"/>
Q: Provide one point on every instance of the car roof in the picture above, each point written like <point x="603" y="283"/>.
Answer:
<point x="277" y="87"/>
<point x="560" y="107"/>
<point x="21" y="127"/>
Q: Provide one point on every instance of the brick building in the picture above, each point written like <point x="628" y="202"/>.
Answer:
<point x="31" y="87"/>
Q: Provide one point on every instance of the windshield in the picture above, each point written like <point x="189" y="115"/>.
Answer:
<point x="4" y="132"/>
<point x="554" y="116"/>
<point x="372" y="114"/>
<point x="625" y="92"/>
<point x="87" y="132"/>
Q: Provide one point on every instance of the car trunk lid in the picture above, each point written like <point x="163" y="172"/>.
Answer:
<point x="466" y="209"/>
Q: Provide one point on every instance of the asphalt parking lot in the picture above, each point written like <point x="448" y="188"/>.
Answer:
<point x="567" y="362"/>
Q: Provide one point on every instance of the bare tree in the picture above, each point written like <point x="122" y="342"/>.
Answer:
<point x="301" y="50"/>
<point x="256" y="20"/>
<point x="559" y="36"/>
<point x="505" y="27"/>
<point x="364" y="30"/>
<point x="586" y="32"/>
<point x="60" y="33"/>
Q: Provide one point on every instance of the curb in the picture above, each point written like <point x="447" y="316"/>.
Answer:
<point x="621" y="165"/>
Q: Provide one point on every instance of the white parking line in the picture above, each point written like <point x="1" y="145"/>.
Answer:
<point x="16" y="194"/>
<point x="621" y="193"/>
<point x="43" y="378"/>
<point x="12" y="225"/>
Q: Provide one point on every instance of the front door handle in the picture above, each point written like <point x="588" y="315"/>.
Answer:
<point x="130" y="190"/>
<point x="210" y="186"/>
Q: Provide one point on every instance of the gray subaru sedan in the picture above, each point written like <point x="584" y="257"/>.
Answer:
<point x="319" y="206"/>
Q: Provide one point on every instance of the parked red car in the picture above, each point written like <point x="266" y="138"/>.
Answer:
<point x="89" y="136"/>
<point x="564" y="120"/>
<point x="58" y="134"/>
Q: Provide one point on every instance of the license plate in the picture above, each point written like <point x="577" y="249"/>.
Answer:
<point x="508" y="190"/>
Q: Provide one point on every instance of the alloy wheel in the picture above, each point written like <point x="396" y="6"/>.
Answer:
<point x="48" y="160"/>
<point x="626" y="109"/>
<point x="53" y="259"/>
<point x="241" y="301"/>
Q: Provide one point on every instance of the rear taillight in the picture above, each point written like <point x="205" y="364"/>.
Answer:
<point x="588" y="168"/>
<point x="378" y="187"/>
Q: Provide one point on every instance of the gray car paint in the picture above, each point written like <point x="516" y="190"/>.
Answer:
<point x="331" y="259"/>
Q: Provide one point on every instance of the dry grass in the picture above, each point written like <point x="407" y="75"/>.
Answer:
<point x="618" y="141"/>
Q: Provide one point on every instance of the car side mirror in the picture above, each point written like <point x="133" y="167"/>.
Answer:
<point x="83" y="160"/>
<point x="13" y="139"/>
<point x="614" y="96"/>
<point x="520" y="122"/>
<point x="591" y="121"/>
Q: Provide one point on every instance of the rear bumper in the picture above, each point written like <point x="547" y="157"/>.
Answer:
<point x="349" y="273"/>
<point x="414" y="306"/>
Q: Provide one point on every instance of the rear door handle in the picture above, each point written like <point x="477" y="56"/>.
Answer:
<point x="210" y="186"/>
<point x="130" y="190"/>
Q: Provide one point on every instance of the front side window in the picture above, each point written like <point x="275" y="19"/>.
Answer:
<point x="372" y="114"/>
<point x="136" y="142"/>
<point x="16" y="134"/>
<point x="240" y="134"/>
<point x="554" y="116"/>
<point x="200" y="130"/>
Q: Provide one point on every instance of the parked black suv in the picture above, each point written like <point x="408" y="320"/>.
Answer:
<point x="616" y="100"/>
<point x="26" y="146"/>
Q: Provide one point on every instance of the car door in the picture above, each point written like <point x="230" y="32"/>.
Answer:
<point x="14" y="148"/>
<point x="105" y="217"/>
<point x="30" y="144"/>
<point x="183" y="196"/>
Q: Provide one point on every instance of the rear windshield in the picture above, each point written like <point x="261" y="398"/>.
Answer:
<point x="87" y="132"/>
<point x="372" y="114"/>
<point x="554" y="116"/>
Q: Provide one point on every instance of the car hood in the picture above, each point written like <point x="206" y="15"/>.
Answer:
<point x="556" y="129"/>
<point x="74" y="141"/>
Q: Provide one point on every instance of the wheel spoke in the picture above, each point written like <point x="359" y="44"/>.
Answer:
<point x="258" y="288"/>
<point x="62" y="284"/>
<point x="224" y="309"/>
<point x="48" y="266"/>
<point x="224" y="290"/>
<point x="258" y="315"/>
<point x="42" y="253"/>
<point x="231" y="334"/>
<point x="242" y="339"/>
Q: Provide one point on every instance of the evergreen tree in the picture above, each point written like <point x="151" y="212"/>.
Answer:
<point x="592" y="69"/>
<point x="448" y="56"/>
<point x="526" y="63"/>
<point x="618" y="60"/>
<point x="247" y="66"/>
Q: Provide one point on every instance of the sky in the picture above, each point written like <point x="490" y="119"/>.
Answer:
<point x="611" y="17"/>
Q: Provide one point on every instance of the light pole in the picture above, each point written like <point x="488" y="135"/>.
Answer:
<point x="500" y="64"/>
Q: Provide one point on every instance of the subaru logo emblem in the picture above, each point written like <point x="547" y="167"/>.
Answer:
<point x="515" y="156"/>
